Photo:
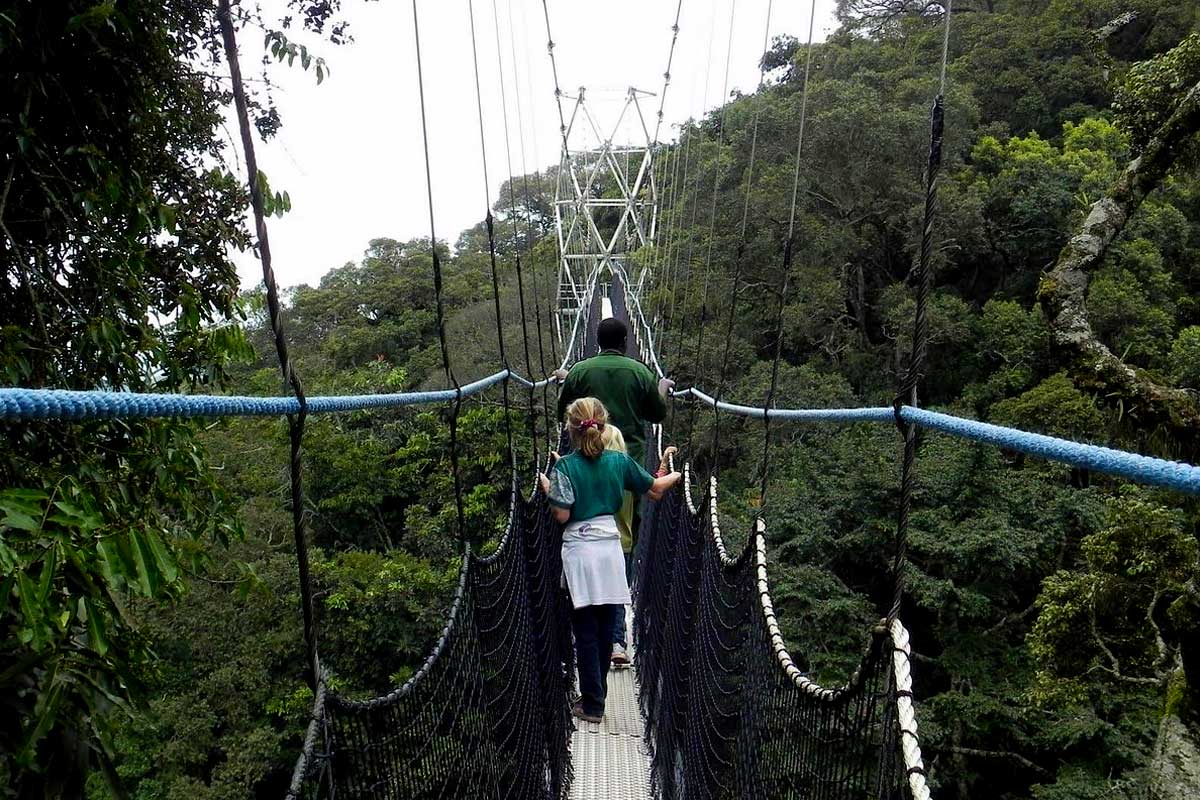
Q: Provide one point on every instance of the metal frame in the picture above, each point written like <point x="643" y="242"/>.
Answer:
<point x="591" y="180"/>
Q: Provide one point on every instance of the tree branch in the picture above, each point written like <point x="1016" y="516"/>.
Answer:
<point x="1063" y="290"/>
<point x="1008" y="618"/>
<point x="1115" y="668"/>
<point x="1114" y="25"/>
<point x="1162" y="663"/>
<point x="1005" y="754"/>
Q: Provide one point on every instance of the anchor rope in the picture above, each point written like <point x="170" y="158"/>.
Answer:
<point x="491" y="236"/>
<point x="297" y="418"/>
<point x="531" y="416"/>
<point x="439" y="302"/>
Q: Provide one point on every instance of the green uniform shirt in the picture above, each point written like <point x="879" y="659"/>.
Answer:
<point x="625" y="386"/>
<point x="593" y="487"/>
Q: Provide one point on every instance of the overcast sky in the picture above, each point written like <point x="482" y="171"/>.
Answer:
<point x="350" y="153"/>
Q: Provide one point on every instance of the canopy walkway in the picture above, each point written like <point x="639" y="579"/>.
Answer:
<point x="717" y="706"/>
<point x="722" y="709"/>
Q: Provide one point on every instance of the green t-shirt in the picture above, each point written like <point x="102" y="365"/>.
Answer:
<point x="592" y="487"/>
<point x="625" y="386"/>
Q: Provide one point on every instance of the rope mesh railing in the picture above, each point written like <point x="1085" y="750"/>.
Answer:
<point x="729" y="714"/>
<point x="486" y="715"/>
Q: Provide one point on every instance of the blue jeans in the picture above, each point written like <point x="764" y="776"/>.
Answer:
<point x="593" y="627"/>
<point x="620" y="634"/>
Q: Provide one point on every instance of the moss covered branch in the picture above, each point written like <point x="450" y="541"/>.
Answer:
<point x="1063" y="290"/>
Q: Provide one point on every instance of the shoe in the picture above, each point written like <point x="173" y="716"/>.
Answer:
<point x="578" y="712"/>
<point x="620" y="659"/>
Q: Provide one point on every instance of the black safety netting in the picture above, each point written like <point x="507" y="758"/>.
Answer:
<point x="486" y="716"/>
<point x="488" y="713"/>
<point x="728" y="714"/>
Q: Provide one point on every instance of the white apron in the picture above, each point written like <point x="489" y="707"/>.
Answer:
<point x="593" y="564"/>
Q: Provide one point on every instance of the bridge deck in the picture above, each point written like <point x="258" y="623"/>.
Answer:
<point x="610" y="758"/>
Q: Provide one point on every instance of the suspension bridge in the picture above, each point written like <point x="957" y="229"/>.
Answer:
<point x="718" y="706"/>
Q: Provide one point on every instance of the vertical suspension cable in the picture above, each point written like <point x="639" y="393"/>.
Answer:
<point x="491" y="235"/>
<point x="295" y="421"/>
<point x="562" y="120"/>
<point x="712" y="221"/>
<point x="662" y="255"/>
<point x="537" y="301"/>
<point x="788" y="247"/>
<point x="662" y="101"/>
<point x="739" y="258"/>
<point x="437" y="289"/>
<point x="674" y="246"/>
<point x="550" y="300"/>
<point x="908" y="389"/>
<point x="663" y="233"/>
<point x="531" y="418"/>
<point x="682" y="334"/>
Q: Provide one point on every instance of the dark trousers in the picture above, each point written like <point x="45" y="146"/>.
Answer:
<point x="621" y="636"/>
<point x="620" y="632"/>
<point x="593" y="626"/>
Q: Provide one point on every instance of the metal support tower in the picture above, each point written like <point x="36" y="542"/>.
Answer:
<point x="605" y="199"/>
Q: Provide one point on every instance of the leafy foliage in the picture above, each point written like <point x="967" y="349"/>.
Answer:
<point x="1002" y="549"/>
<point x="1049" y="607"/>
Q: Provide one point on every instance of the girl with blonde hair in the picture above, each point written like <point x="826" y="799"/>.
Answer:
<point x="615" y="440"/>
<point x="586" y="490"/>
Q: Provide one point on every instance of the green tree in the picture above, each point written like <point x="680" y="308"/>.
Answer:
<point x="116" y="217"/>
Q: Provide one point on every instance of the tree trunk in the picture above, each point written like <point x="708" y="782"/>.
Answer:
<point x="1063" y="290"/>
<point x="860" y="301"/>
<point x="1175" y="770"/>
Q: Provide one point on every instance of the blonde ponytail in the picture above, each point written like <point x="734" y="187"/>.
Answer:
<point x="586" y="420"/>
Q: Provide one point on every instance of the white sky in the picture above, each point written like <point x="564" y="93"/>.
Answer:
<point x="350" y="153"/>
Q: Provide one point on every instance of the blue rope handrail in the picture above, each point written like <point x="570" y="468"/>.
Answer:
<point x="49" y="404"/>
<point x="1176" y="475"/>
<point x="34" y="404"/>
<point x="18" y="403"/>
<point x="1142" y="469"/>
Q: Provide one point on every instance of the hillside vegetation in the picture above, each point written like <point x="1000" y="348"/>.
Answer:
<point x="150" y="637"/>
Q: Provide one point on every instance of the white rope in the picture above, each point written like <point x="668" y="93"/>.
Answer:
<point x="687" y="488"/>
<point x="714" y="522"/>
<point x="794" y="673"/>
<point x="910" y="745"/>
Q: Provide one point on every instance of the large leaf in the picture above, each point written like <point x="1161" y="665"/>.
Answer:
<point x="8" y="558"/>
<point x="162" y="557"/>
<point x="31" y="609"/>
<point x="6" y="587"/>
<point x="49" y="569"/>
<point x="143" y="559"/>
<point x="71" y="516"/>
<point x="23" y="508"/>
<point x="113" y="566"/>
<point x="97" y="630"/>
<point x="19" y="519"/>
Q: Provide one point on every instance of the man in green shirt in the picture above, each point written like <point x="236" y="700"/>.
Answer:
<point x="633" y="398"/>
<point x="625" y="385"/>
